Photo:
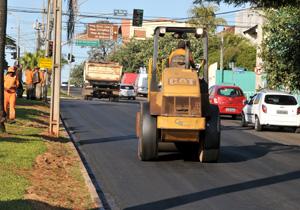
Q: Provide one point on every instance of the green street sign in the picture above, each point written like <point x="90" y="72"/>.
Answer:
<point x="87" y="43"/>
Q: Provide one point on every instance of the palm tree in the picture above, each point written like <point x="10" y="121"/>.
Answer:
<point x="3" y="20"/>
<point x="32" y="59"/>
<point x="204" y="16"/>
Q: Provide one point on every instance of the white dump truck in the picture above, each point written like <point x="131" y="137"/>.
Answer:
<point x="101" y="80"/>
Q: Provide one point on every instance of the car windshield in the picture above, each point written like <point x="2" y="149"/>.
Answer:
<point x="230" y="92"/>
<point x="280" y="100"/>
<point x="128" y="87"/>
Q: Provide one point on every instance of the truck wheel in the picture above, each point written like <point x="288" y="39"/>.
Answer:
<point x="209" y="146"/>
<point x="90" y="98"/>
<point x="244" y="122"/>
<point x="85" y="97"/>
<point x="111" y="99"/>
<point x="133" y="98"/>
<point x="147" y="148"/>
<point x="117" y="99"/>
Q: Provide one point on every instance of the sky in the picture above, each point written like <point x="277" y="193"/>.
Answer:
<point x="28" y="12"/>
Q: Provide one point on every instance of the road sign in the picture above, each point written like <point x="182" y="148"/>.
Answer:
<point x="87" y="43"/>
<point x="45" y="63"/>
<point x="120" y="12"/>
<point x="102" y="31"/>
<point x="258" y="70"/>
<point x="239" y="70"/>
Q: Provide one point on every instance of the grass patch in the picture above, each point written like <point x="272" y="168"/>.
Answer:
<point x="37" y="170"/>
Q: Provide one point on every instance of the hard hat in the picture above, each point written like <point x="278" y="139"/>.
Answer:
<point x="43" y="69"/>
<point x="11" y="70"/>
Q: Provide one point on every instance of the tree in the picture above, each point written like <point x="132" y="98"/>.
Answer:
<point x="204" y="16"/>
<point x="76" y="74"/>
<point x="3" y="21"/>
<point x="136" y="53"/>
<point x="280" y="48"/>
<point x="31" y="59"/>
<point x="255" y="3"/>
<point x="238" y="49"/>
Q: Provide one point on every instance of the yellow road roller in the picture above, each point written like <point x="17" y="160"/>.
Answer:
<point x="179" y="112"/>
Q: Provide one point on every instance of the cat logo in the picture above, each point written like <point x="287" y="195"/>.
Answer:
<point x="182" y="81"/>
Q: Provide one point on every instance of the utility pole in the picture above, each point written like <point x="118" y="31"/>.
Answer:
<point x="43" y="27"/>
<point x="56" y="70"/>
<point x="221" y="57"/>
<point x="47" y="39"/>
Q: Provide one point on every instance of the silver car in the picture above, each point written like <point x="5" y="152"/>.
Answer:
<point x="127" y="91"/>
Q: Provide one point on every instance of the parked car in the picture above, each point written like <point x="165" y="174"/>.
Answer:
<point x="127" y="91"/>
<point x="272" y="108"/>
<point x="230" y="99"/>
<point x="141" y="84"/>
<point x="64" y="84"/>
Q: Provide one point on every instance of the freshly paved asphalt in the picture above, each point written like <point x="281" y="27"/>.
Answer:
<point x="256" y="170"/>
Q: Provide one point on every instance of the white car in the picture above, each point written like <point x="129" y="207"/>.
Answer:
<point x="127" y="91"/>
<point x="272" y="108"/>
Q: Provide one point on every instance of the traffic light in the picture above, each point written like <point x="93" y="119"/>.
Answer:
<point x="50" y="48"/>
<point x="72" y="59"/>
<point x="137" y="17"/>
<point x="13" y="55"/>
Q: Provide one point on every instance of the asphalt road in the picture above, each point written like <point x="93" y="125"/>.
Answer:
<point x="256" y="170"/>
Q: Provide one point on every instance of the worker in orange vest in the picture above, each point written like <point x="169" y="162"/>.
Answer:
<point x="29" y="84"/>
<point x="177" y="57"/>
<point x="11" y="83"/>
<point x="42" y="80"/>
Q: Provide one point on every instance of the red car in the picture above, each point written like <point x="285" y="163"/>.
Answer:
<point x="230" y="99"/>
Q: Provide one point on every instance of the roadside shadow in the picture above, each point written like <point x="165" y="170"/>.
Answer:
<point x="30" y="204"/>
<point x="109" y="139"/>
<point x="218" y="191"/>
<point x="32" y="115"/>
<point x="234" y="154"/>
<point x="231" y="154"/>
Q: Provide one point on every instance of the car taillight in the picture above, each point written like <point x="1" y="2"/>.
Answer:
<point x="298" y="110"/>
<point x="120" y="90"/>
<point x="215" y="100"/>
<point x="134" y="91"/>
<point x="264" y="108"/>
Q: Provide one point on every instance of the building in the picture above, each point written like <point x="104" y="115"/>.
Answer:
<point x="147" y="30"/>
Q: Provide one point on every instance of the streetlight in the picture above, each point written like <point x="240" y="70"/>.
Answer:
<point x="18" y="35"/>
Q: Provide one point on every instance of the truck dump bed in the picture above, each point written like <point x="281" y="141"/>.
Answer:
<point x="109" y="72"/>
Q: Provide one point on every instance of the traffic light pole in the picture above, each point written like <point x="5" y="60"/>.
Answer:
<point x="56" y="70"/>
<point x="70" y="64"/>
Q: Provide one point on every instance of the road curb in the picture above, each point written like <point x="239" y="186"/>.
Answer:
<point x="88" y="181"/>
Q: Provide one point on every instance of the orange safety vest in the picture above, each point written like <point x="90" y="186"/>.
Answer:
<point x="42" y="77"/>
<point x="29" y="76"/>
<point x="9" y="82"/>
